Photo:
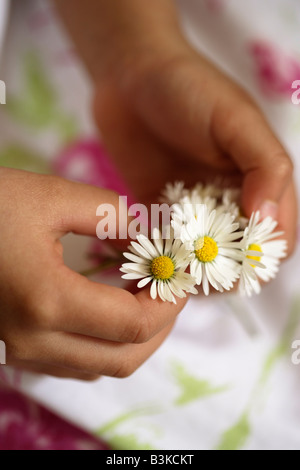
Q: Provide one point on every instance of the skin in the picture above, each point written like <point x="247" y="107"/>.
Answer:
<point x="165" y="113"/>
<point x="52" y="319"/>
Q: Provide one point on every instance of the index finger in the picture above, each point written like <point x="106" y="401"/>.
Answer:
<point x="98" y="310"/>
<point x="89" y="308"/>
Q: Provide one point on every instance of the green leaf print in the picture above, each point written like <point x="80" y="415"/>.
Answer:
<point x="35" y="106"/>
<point x="110" y="432"/>
<point x="191" y="387"/>
<point x="284" y="346"/>
<point x="19" y="158"/>
<point x="128" y="442"/>
<point x="236" y="437"/>
<point x="38" y="105"/>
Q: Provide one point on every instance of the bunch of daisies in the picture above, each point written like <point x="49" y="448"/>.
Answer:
<point x="209" y="244"/>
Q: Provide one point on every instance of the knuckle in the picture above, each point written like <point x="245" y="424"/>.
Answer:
<point x="225" y="124"/>
<point x="18" y="349"/>
<point x="125" y="370"/>
<point x="41" y="310"/>
<point x="142" y="330"/>
<point x="284" y="166"/>
<point x="137" y="329"/>
<point x="229" y="117"/>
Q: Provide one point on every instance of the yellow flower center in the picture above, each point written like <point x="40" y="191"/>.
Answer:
<point x="254" y="247"/>
<point x="162" y="268"/>
<point x="206" y="249"/>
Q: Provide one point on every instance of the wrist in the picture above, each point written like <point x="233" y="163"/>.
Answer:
<point x="110" y="36"/>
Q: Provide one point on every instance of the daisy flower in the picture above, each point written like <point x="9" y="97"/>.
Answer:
<point x="261" y="254"/>
<point x="187" y="208"/>
<point x="173" y="192"/>
<point x="211" y="238"/>
<point x="161" y="263"/>
<point x="208" y="190"/>
<point x="231" y="203"/>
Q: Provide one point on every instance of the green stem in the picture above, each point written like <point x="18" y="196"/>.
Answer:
<point x="111" y="263"/>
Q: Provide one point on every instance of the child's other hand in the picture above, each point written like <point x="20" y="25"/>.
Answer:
<point x="173" y="116"/>
<point x="53" y="320"/>
<point x="166" y="113"/>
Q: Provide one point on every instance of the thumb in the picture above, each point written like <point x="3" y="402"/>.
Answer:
<point x="88" y="210"/>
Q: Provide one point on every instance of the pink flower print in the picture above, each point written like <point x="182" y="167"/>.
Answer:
<point x="276" y="70"/>
<point x="87" y="162"/>
<point x="24" y="425"/>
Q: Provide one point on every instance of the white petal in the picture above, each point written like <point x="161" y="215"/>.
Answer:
<point x="135" y="268"/>
<point x="168" y="246"/>
<point x="134" y="258"/>
<point x="141" y="251"/>
<point x="193" y="267"/>
<point x="144" y="282"/>
<point x="157" y="240"/>
<point x="153" y="290"/>
<point x="199" y="273"/>
<point x="167" y="292"/>
<point x="210" y="277"/>
<point x="132" y="276"/>
<point x="148" y="246"/>
<point x="205" y="283"/>
<point x="161" y="291"/>
<point x="176" y="288"/>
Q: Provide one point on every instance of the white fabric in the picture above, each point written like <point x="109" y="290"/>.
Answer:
<point x="3" y="20"/>
<point x="236" y="348"/>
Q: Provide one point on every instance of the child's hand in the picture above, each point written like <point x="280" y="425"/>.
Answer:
<point x="53" y="320"/>
<point x="166" y="113"/>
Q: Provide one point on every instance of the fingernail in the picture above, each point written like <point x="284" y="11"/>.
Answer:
<point x="269" y="209"/>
